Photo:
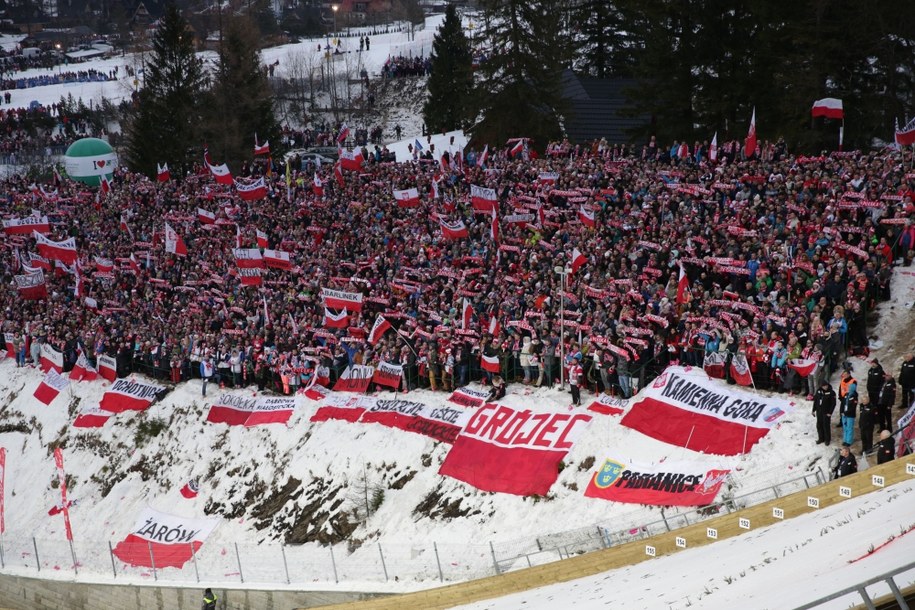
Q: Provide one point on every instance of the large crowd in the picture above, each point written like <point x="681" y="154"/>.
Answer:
<point x="785" y="255"/>
<point x="79" y="76"/>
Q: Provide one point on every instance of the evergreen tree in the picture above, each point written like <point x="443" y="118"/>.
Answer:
<point x="240" y="104"/>
<point x="602" y="48"/>
<point x="520" y="91"/>
<point x="449" y="104"/>
<point x="165" y="123"/>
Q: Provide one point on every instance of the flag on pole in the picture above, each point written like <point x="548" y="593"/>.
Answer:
<point x="683" y="295"/>
<point x="828" y="107"/>
<point x="750" y="144"/>
<point x="162" y="173"/>
<point x="578" y="259"/>
<point x="466" y="314"/>
<point x="266" y="311"/>
<point x="906" y="135"/>
<point x="713" y="148"/>
<point x="380" y="327"/>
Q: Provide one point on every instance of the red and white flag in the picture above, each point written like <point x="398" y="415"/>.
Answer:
<point x="481" y="160"/>
<point x="128" y="395"/>
<point x="317" y="186"/>
<point x="548" y="177"/>
<point x="261" y="149"/>
<point x="162" y="540"/>
<point x="906" y="135"/>
<point x="63" y="251"/>
<point x="251" y="191"/>
<point x="162" y="173"/>
<point x="804" y="366"/>
<point x="10" y="347"/>
<point x="261" y="236"/>
<point x="750" y="143"/>
<point x="107" y="367"/>
<point x="250" y="276"/>
<point x="494" y="328"/>
<point x="91" y="417"/>
<point x="31" y="286"/>
<point x="489" y="363"/>
<point x="277" y="259"/>
<point x="453" y="230"/>
<point x="466" y="314"/>
<point x="52" y="385"/>
<point x="380" y="327"/>
<point x="351" y="160"/>
<point x="482" y="199"/>
<point x="407" y="198"/>
<point x="104" y="184"/>
<point x="828" y="107"/>
<point x="578" y="259"/>
<point x="231" y="409"/>
<point x="25" y="226"/>
<point x="36" y="260"/>
<point x="713" y="148"/>
<point x="714" y="364"/>
<point x="336" y="320"/>
<point x="683" y="294"/>
<point x="338" y="173"/>
<point x="104" y="265"/>
<point x="206" y="217"/>
<point x="221" y="173"/>
<point x="387" y="374"/>
<point x="248" y="258"/>
<point x="50" y="359"/>
<point x="518" y="148"/>
<point x="586" y="217"/>
<point x="740" y="370"/>
<point x="494" y="227"/>
<point x="342" y="134"/>
<point x="173" y="242"/>
<point x="340" y="299"/>
<point x="190" y="489"/>
<point x="62" y="480"/>
<point x="83" y="370"/>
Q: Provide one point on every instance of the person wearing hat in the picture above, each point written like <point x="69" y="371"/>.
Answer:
<point x="848" y="401"/>
<point x="886" y="447"/>
<point x="575" y="379"/>
<point x="824" y="403"/>
<point x="874" y="379"/>
<point x="498" y="388"/>
<point x="209" y="600"/>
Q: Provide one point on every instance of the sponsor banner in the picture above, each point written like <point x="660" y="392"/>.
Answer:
<point x="685" y="407"/>
<point x="666" y="484"/>
<point x="25" y="226"/>
<point x="469" y="397"/>
<point x="51" y="359"/>
<point x="388" y="374"/>
<point x="339" y="299"/>
<point x="609" y="405"/>
<point x="127" y="395"/>
<point x="163" y="540"/>
<point x="356" y="378"/>
<point x="52" y="385"/>
<point x="91" y="417"/>
<point x="107" y="368"/>
<point x="513" y="451"/>
<point x="341" y="407"/>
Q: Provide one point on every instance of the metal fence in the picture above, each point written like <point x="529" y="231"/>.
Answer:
<point x="427" y="563"/>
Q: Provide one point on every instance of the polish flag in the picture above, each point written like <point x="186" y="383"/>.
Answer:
<point x="248" y="258"/>
<point x="466" y="314"/>
<point x="713" y="364"/>
<point x="906" y="135"/>
<point x="494" y="327"/>
<point x="343" y="134"/>
<point x="162" y="173"/>
<point x="52" y="385"/>
<point x="713" y="148"/>
<point x="129" y="395"/>
<point x="481" y="161"/>
<point x="336" y="320"/>
<point x="494" y="227"/>
<point x="318" y="187"/>
<point x="453" y="230"/>
<point x="104" y="184"/>
<point x="39" y="261"/>
<point x="750" y="143"/>
<point x="586" y="217"/>
<point x="261" y="149"/>
<point x="63" y="251"/>
<point x="191" y="488"/>
<point x="407" y="198"/>
<point x="518" y="148"/>
<point x="104" y="265"/>
<point x="134" y="265"/>
<point x="351" y="159"/>
<point x="804" y="366"/>
<point x="338" y="173"/>
<point x="683" y="295"/>
<point x="173" y="242"/>
<point x="489" y="363"/>
<point x="164" y="541"/>
<point x="50" y="359"/>
<point x="249" y="276"/>
<point x="206" y="217"/>
<point x="277" y="259"/>
<point x="261" y="239"/>
<point x="578" y="259"/>
<point x="251" y="191"/>
<point x="107" y="367"/>
<point x="91" y="417"/>
<point x="122" y="225"/>
<point x="828" y="107"/>
<point x="221" y="173"/>
<point x="380" y="327"/>
<point x="740" y="370"/>
<point x="10" y="349"/>
<point x="82" y="370"/>
<point x="482" y="199"/>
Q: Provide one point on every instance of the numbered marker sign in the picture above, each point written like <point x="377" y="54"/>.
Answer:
<point x="681" y="542"/>
<point x="845" y="492"/>
<point x="813" y="502"/>
<point x="650" y="551"/>
<point x="743" y="523"/>
<point x="711" y="533"/>
<point x="877" y="480"/>
<point x="778" y="513"/>
<point x="910" y="468"/>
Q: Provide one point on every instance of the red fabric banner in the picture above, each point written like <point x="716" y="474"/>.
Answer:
<point x="667" y="484"/>
<point x="356" y="378"/>
<point x="469" y="397"/>
<point x="166" y="541"/>
<point x="127" y="395"/>
<point x="107" y="368"/>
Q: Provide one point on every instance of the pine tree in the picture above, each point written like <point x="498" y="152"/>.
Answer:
<point x="165" y="124"/>
<point x="520" y="92"/>
<point x="449" y="104"/>
<point x="240" y="104"/>
<point x="602" y="43"/>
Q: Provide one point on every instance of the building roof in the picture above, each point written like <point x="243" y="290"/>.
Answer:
<point x="596" y="109"/>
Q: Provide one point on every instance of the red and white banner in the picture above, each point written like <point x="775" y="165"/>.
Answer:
<point x="251" y="191"/>
<point x="336" y="320"/>
<point x="62" y="479"/>
<point x="31" y="286"/>
<point x="104" y="265"/>
<point x="828" y="107"/>
<point x="221" y="173"/>
<point x="190" y="489"/>
<point x="740" y="370"/>
<point x="231" y="409"/>
<point x="173" y="242"/>
<point x="483" y="200"/>
<point x="356" y="378"/>
<point x="453" y="230"/>
<point x="127" y="395"/>
<point x="277" y="259"/>
<point x="685" y="407"/>
<point x="351" y="159"/>
<point x="586" y="217"/>
<point x="248" y="258"/>
<point x="107" y="367"/>
<point x="63" y="251"/>
<point x="166" y="541"/>
<point x="262" y="240"/>
<point x="440" y="423"/>
<point x="665" y="484"/>
<point x="714" y="364"/>
<point x="407" y="198"/>
<point x="578" y="260"/>
<point x="609" y="405"/>
<point x="10" y="346"/>
<point x="380" y="327"/>
<point x="50" y="359"/>
<point x="489" y="363"/>
<point x="803" y="366"/>
<point x="749" y="146"/>
<point x="249" y="276"/>
<point x="387" y="374"/>
<point x="271" y="410"/>
<point x="25" y="226"/>
<point x="261" y="149"/>
<point x="906" y="135"/>
<point x="162" y="173"/>
<point x="82" y="370"/>
<point x="339" y="299"/>
<point x="91" y="417"/>
<point x="52" y="385"/>
<point x="342" y="407"/>
<point x="511" y="451"/>
<point x="469" y="397"/>
<point x="36" y="260"/>
<point x="206" y="217"/>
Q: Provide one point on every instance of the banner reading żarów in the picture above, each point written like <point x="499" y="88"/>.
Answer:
<point x="469" y="397"/>
<point x="387" y="374"/>
<point x="168" y="540"/>
<point x="127" y="395"/>
<point x="356" y="378"/>
<point x="685" y="407"/>
<point x="510" y="451"/>
<point x="667" y="484"/>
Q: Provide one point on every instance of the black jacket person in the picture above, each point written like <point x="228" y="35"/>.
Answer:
<point x="824" y="403"/>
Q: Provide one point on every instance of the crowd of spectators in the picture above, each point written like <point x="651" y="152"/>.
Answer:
<point x="57" y="78"/>
<point x="40" y="129"/>
<point x="784" y="255"/>
<point x="401" y="66"/>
